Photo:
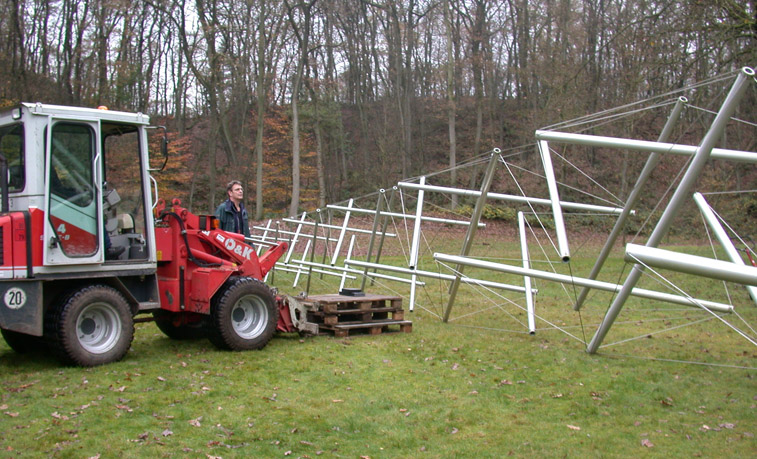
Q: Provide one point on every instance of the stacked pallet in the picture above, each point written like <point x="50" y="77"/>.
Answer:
<point x="345" y="314"/>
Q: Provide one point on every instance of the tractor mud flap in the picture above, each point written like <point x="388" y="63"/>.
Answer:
<point x="21" y="307"/>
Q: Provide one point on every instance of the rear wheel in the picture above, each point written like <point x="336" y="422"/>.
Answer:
<point x="92" y="326"/>
<point x="180" y="327"/>
<point x="21" y="342"/>
<point x="243" y="315"/>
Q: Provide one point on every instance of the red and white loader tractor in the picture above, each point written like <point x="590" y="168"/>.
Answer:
<point x="87" y="249"/>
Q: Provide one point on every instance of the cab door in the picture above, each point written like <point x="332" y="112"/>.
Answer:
<point x="73" y="192"/>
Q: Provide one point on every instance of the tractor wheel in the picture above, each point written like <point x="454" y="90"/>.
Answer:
<point x="21" y="342"/>
<point x="182" y="331"/>
<point x="91" y="326"/>
<point x="243" y="315"/>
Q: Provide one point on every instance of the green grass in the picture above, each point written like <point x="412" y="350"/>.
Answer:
<point x="467" y="388"/>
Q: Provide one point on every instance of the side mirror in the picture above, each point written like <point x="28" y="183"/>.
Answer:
<point x="163" y="150"/>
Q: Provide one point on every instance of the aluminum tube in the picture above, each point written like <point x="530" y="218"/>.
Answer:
<point x="353" y="230"/>
<point x="374" y="229"/>
<point x="416" y="232"/>
<point x="310" y="236"/>
<point x="526" y="279"/>
<point x="288" y="269"/>
<point x="581" y="282"/>
<point x="354" y="271"/>
<point x="691" y="264"/>
<point x="304" y="255"/>
<point x="471" y="231"/>
<point x="554" y="197"/>
<point x="349" y="255"/>
<point x="567" y="205"/>
<point x="440" y="276"/>
<point x="633" y="197"/>
<point x="409" y="216"/>
<point x="643" y="145"/>
<point x="265" y="229"/>
<point x="722" y="237"/>
<point x="345" y="223"/>
<point x="680" y="195"/>
<point x="295" y="237"/>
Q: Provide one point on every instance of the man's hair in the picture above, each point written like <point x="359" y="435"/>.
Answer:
<point x="231" y="184"/>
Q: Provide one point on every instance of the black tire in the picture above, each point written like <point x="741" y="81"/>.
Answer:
<point x="91" y="326"/>
<point x="185" y="331"/>
<point x="23" y="343"/>
<point x="243" y="315"/>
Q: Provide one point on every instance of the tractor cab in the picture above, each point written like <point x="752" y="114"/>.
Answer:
<point x="85" y="170"/>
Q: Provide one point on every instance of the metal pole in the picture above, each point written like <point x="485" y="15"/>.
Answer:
<point x="384" y="224"/>
<point x="341" y="234"/>
<point x="567" y="205"/>
<point x="315" y="245"/>
<point x="376" y="217"/>
<point x="417" y="228"/>
<point x="446" y="277"/>
<point x="722" y="237"/>
<point x="408" y="216"/>
<point x="349" y="255"/>
<point x="571" y="280"/>
<point x="633" y="197"/>
<point x="526" y="279"/>
<point x="471" y="233"/>
<point x="644" y="145"/>
<point x="554" y="195"/>
<point x="676" y="201"/>
<point x="295" y="237"/>
<point x="691" y="264"/>
<point x="299" y="269"/>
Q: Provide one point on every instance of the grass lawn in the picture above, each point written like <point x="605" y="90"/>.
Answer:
<point x="478" y="386"/>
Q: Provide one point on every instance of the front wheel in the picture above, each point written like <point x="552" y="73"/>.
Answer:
<point x="91" y="326"/>
<point x="243" y="315"/>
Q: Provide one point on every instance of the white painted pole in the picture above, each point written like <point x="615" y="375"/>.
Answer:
<point x="722" y="237"/>
<point x="691" y="264"/>
<point x="296" y="236"/>
<point x="299" y="269"/>
<point x="265" y="234"/>
<point x="325" y="225"/>
<point x="341" y="234"/>
<point x="581" y="282"/>
<point x="408" y="216"/>
<point x="676" y="201"/>
<point x="417" y="230"/>
<point x="526" y="279"/>
<point x="446" y="277"/>
<point x="349" y="255"/>
<point x="554" y="196"/>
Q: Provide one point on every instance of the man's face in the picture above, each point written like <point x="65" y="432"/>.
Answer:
<point x="237" y="193"/>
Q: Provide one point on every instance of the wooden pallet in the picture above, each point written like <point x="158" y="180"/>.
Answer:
<point x="342" y="314"/>
<point x="372" y="328"/>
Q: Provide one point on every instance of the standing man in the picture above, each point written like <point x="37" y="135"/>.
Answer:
<point x="231" y="214"/>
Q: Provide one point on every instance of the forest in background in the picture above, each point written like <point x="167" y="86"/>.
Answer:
<point x="310" y="102"/>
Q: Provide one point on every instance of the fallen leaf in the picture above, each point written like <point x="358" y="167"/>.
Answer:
<point x="667" y="401"/>
<point x="160" y="378"/>
<point x="195" y="422"/>
<point x="455" y="366"/>
<point x="167" y="432"/>
<point x="573" y="427"/>
<point x="556" y="395"/>
<point x="337" y="401"/>
<point x="454" y="430"/>
<point x="3" y="407"/>
<point x="11" y="414"/>
<point x="647" y="443"/>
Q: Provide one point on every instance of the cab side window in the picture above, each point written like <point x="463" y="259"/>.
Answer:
<point x="12" y="148"/>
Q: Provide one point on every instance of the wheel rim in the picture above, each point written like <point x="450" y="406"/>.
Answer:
<point x="98" y="328"/>
<point x="249" y="316"/>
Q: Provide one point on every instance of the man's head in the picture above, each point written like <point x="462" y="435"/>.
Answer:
<point x="235" y="191"/>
